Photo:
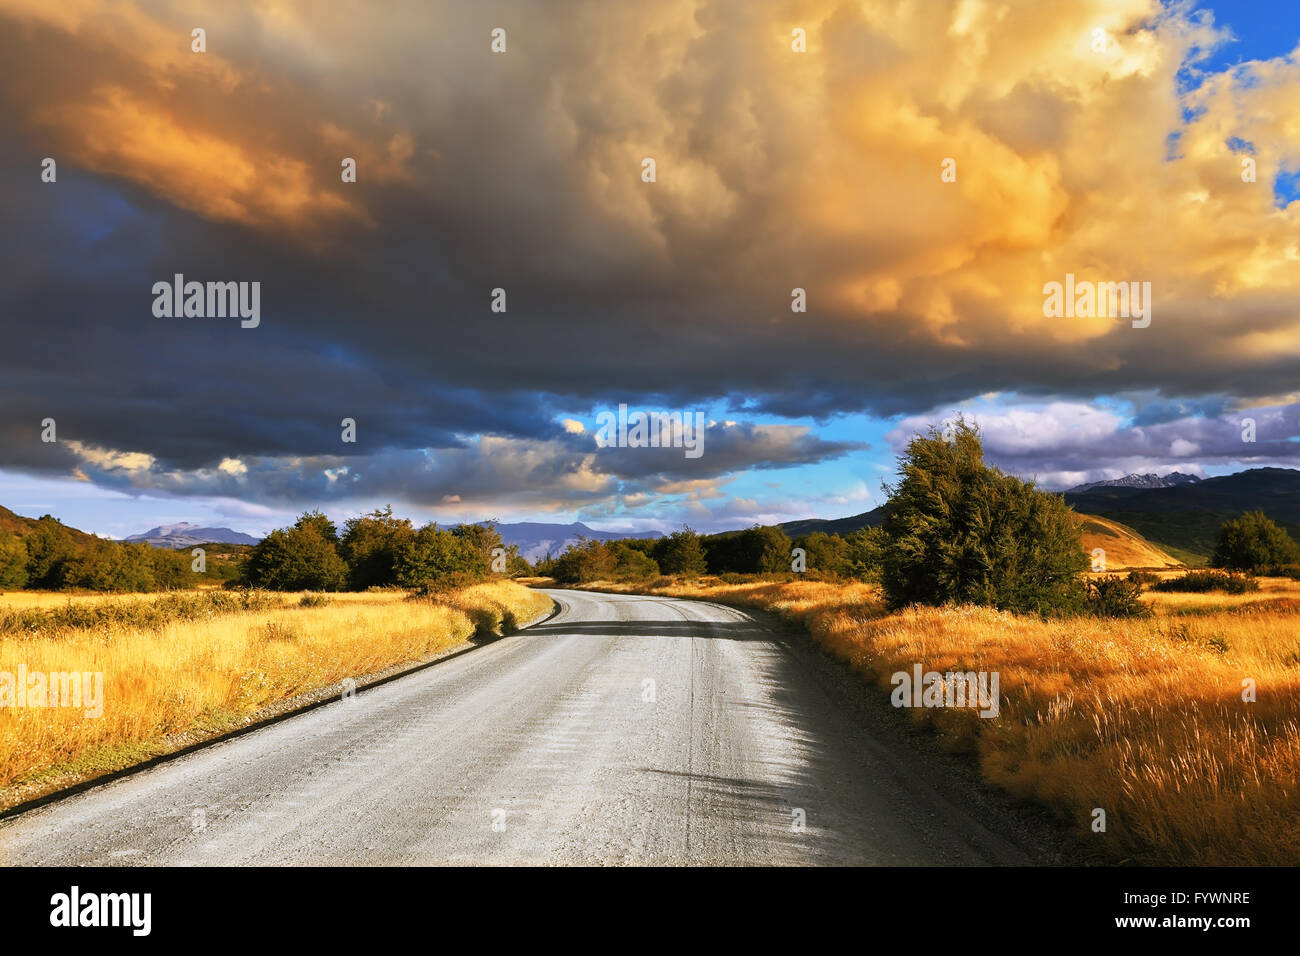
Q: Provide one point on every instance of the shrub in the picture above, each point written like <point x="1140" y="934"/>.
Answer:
<point x="864" y="553"/>
<point x="274" y="631"/>
<point x="13" y="561"/>
<point x="481" y="540"/>
<point x="433" y="553"/>
<point x="632" y="564"/>
<point x="314" y="600"/>
<point x="1144" y="578"/>
<point x="1113" y="596"/>
<point x="143" y="613"/>
<point x="1283" y="571"/>
<point x="1200" y="582"/>
<point x="959" y="531"/>
<point x="110" y="566"/>
<point x="825" y="553"/>
<point x="300" y="558"/>
<point x="371" y="547"/>
<point x="756" y="550"/>
<point x="681" y="553"/>
<point x="584" y="561"/>
<point x="1253" y="541"/>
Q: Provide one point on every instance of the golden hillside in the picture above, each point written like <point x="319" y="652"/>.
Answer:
<point x="1124" y="547"/>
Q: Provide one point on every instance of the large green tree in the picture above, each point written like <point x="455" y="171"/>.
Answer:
<point x="681" y="553"/>
<point x="433" y="553"/>
<point x="372" y="544"/>
<point x="49" y="545"/>
<point x="1253" y="542"/>
<point x="959" y="531"/>
<point x="585" y="561"/>
<point x="295" y="559"/>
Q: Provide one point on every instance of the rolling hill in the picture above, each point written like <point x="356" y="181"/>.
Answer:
<point x="17" y="524"/>
<point x="1124" y="547"/>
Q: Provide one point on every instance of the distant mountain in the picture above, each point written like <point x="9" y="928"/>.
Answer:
<point x="186" y="535"/>
<point x="1186" y="517"/>
<point x="1172" y="480"/>
<point x="536" y="538"/>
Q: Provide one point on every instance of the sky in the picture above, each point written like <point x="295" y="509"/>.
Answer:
<point x="1101" y="139"/>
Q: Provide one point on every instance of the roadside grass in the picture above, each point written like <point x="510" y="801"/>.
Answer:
<point x="203" y="674"/>
<point x="1141" y="718"/>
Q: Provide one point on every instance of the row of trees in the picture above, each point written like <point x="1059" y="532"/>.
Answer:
<point x="375" y="550"/>
<point x="757" y="550"/>
<point x="49" y="558"/>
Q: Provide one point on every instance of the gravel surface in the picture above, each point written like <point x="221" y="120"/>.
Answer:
<point x="551" y="746"/>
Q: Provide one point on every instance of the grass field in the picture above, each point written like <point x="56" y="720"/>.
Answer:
<point x="1144" y="719"/>
<point x="207" y="674"/>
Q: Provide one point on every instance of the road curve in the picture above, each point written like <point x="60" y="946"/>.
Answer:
<point x="551" y="746"/>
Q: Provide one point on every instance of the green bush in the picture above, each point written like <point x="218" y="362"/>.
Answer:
<point x="1113" y="596"/>
<point x="13" y="561"/>
<point x="447" y="583"/>
<point x="865" y="553"/>
<point x="1200" y="582"/>
<point x="757" y="550"/>
<point x="1253" y="541"/>
<point x="681" y="553"/>
<point x="1144" y="578"/>
<point x="585" y="561"/>
<point x="823" y="553"/>
<point x="433" y="553"/>
<point x="959" y="531"/>
<point x="632" y="564"/>
<point x="110" y="566"/>
<point x="372" y="546"/>
<point x="301" y="558"/>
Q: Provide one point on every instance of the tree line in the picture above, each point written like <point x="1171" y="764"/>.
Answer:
<point x="50" y="558"/>
<point x="377" y="549"/>
<point x="955" y="530"/>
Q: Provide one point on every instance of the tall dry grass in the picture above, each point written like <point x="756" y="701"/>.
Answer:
<point x="206" y="674"/>
<point x="1144" y="719"/>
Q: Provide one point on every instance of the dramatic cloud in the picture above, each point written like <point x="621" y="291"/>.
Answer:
<point x="1079" y="148"/>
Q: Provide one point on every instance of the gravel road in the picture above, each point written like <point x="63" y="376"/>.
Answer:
<point x="623" y="730"/>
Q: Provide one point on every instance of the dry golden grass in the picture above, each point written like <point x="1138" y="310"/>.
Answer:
<point x="1144" y="719"/>
<point x="211" y="674"/>
<point x="1124" y="547"/>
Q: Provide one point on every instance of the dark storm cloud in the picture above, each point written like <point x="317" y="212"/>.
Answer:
<point x="521" y="171"/>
